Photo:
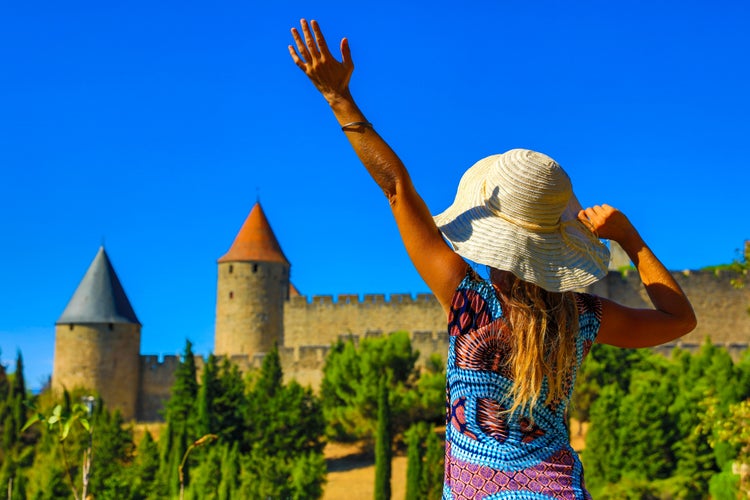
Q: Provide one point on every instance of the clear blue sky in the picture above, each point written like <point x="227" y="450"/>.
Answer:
<point x="154" y="126"/>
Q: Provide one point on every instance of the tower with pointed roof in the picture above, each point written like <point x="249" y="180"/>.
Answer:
<point x="252" y="287"/>
<point x="98" y="340"/>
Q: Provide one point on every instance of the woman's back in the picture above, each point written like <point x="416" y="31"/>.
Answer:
<point x="487" y="449"/>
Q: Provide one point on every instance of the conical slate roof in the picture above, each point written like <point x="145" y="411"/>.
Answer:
<point x="255" y="241"/>
<point x="99" y="297"/>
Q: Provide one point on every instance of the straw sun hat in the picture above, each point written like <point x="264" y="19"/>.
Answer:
<point x="517" y="212"/>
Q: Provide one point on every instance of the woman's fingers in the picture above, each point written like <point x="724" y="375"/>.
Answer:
<point x="346" y="55"/>
<point x="309" y="41"/>
<point x="299" y="62"/>
<point x="301" y="48"/>
<point x="320" y="39"/>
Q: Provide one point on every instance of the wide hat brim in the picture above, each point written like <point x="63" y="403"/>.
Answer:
<point x="568" y="258"/>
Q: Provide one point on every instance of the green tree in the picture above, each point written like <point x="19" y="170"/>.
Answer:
<point x="284" y="438"/>
<point x="603" y="366"/>
<point x="383" y="445"/>
<point x="647" y="430"/>
<point x="230" y="472"/>
<point x="271" y="375"/>
<point x="182" y="422"/>
<point x="209" y="388"/>
<point x="350" y="385"/>
<point x="143" y="473"/>
<point x="230" y="403"/>
<point x="425" y="402"/>
<point x="18" y="387"/>
<point x="602" y="456"/>
<point x="113" y="453"/>
<point x="415" y="438"/>
<point x="207" y="474"/>
<point x="733" y="429"/>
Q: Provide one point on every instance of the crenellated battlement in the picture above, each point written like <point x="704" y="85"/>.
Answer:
<point x="156" y="363"/>
<point x="349" y="300"/>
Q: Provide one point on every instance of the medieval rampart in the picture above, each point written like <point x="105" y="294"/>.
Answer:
<point x="321" y="320"/>
<point x="311" y="326"/>
<point x="721" y="307"/>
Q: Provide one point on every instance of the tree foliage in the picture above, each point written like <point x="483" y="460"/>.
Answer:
<point x="351" y="377"/>
<point x="383" y="444"/>
<point x="655" y="423"/>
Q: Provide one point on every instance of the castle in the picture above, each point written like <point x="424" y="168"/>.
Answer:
<point x="97" y="337"/>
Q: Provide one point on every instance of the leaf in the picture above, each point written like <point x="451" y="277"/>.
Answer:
<point x="32" y="421"/>
<point x="65" y="429"/>
<point x="85" y="424"/>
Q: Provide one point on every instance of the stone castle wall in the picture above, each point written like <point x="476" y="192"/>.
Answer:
<point x="321" y="320"/>
<point x="311" y="326"/>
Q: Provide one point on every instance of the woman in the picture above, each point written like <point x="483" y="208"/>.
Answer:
<point x="517" y="340"/>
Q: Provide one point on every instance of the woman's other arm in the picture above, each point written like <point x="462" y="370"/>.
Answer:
<point x="440" y="267"/>
<point x="622" y="326"/>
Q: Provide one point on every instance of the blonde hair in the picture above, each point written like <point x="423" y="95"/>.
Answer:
<point x="543" y="327"/>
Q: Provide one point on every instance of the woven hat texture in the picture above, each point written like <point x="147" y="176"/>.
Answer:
<point x="517" y="212"/>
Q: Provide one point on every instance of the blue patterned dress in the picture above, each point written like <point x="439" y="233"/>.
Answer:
<point x="488" y="454"/>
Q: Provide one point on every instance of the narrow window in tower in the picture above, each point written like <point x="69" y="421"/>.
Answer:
<point x="231" y="295"/>
<point x="255" y="268"/>
<point x="231" y="268"/>
<point x="111" y="326"/>
<point x="72" y="326"/>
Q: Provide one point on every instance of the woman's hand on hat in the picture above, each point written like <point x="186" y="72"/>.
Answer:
<point x="607" y="222"/>
<point x="312" y="56"/>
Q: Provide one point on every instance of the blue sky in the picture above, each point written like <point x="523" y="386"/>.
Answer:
<point x="154" y="126"/>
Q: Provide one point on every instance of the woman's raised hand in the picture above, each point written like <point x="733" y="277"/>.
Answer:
<point x="312" y="56"/>
<point x="608" y="223"/>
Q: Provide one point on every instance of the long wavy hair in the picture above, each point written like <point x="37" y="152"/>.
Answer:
<point x="543" y="327"/>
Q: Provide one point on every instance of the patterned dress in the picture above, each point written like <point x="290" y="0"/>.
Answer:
<point x="488" y="454"/>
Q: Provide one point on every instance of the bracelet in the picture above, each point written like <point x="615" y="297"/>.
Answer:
<point x="357" y="124"/>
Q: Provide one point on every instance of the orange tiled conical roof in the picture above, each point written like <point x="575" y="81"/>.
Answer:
<point x="255" y="241"/>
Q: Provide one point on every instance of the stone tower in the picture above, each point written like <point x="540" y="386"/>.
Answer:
<point x="98" y="340"/>
<point x="252" y="287"/>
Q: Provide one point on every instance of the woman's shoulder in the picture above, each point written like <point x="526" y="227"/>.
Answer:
<point x="475" y="298"/>
<point x="474" y="282"/>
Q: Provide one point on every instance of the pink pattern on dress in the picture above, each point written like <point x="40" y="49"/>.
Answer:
<point x="551" y="477"/>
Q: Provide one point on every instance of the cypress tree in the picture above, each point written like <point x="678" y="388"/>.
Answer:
<point x="181" y="406"/>
<point x="230" y="403"/>
<point x="113" y="449"/>
<point x="230" y="472"/>
<point x="383" y="442"/>
<point x="271" y="375"/>
<point x="415" y="437"/>
<point x="181" y="419"/>
<point x="145" y="468"/>
<point x="603" y="452"/>
<point x="19" y="385"/>
<point x="4" y="384"/>
<point x="208" y="391"/>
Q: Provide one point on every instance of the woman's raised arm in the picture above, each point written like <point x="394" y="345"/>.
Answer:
<point x="622" y="326"/>
<point x="440" y="267"/>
